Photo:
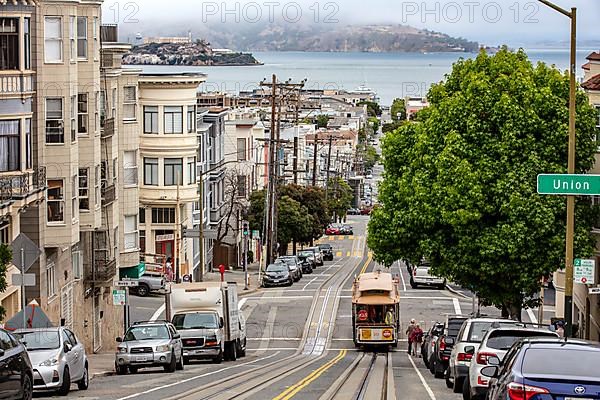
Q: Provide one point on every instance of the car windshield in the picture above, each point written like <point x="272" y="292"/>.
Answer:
<point x="305" y="253"/>
<point x="289" y="261"/>
<point x="325" y="246"/>
<point x="454" y="327"/>
<point x="503" y="340"/>
<point x="277" y="268"/>
<point x="147" y="333"/>
<point x="479" y="328"/>
<point x="195" y="321"/>
<point x="39" y="340"/>
<point x="558" y="361"/>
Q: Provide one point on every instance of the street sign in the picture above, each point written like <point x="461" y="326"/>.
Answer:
<point x="255" y="234"/>
<point x="594" y="290"/>
<point x="118" y="297"/>
<point x="128" y="283"/>
<point x="165" y="238"/>
<point x="191" y="233"/>
<point x="30" y="253"/>
<point x="584" y="271"/>
<point x="569" y="184"/>
<point x="29" y="280"/>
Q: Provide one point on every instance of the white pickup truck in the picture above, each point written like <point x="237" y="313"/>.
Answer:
<point x="421" y="275"/>
<point x="207" y="316"/>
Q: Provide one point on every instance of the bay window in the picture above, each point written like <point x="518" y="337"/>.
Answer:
<point x="53" y="52"/>
<point x="173" y="119"/>
<point x="54" y="121"/>
<point x="150" y="119"/>
<point x="10" y="145"/>
<point x="151" y="171"/>
<point x="55" y="200"/>
<point x="131" y="232"/>
<point x="130" y="169"/>
<point x="82" y="36"/>
<point x="9" y="43"/>
<point x="173" y="171"/>
<point x="84" y="189"/>
<point x="129" y="102"/>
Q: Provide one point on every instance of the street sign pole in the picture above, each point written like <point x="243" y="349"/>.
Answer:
<point x="23" y="305"/>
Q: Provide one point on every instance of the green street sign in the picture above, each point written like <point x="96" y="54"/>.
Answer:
<point x="569" y="184"/>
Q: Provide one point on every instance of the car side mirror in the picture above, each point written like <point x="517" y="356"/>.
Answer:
<point x="493" y="361"/>
<point x="489" y="371"/>
<point x="119" y="339"/>
<point x="470" y="349"/>
<point x="221" y="322"/>
<point x="67" y="347"/>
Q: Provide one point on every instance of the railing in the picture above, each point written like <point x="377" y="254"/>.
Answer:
<point x="108" y="195"/>
<point x="99" y="266"/>
<point x="19" y="185"/>
<point x="109" y="128"/>
<point x="16" y="83"/>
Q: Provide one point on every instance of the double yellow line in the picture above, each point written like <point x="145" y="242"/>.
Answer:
<point x="369" y="259"/>
<point x="293" y="390"/>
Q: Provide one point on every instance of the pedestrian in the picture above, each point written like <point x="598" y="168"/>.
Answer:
<point x="389" y="316"/>
<point x="560" y="328"/>
<point x="417" y="340"/>
<point x="409" y="331"/>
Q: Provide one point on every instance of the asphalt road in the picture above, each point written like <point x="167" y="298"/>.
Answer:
<point x="300" y="343"/>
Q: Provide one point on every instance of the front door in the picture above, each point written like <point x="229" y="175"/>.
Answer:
<point x="165" y="248"/>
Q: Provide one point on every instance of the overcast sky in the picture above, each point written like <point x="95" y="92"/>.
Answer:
<point x="523" y="22"/>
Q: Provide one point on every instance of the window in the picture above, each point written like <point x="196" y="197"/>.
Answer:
<point x="142" y="234"/>
<point x="151" y="171"/>
<point x="53" y="40"/>
<point x="4" y="235"/>
<point x="72" y="115"/>
<point x="97" y="113"/>
<point x="191" y="164"/>
<point x="131" y="232"/>
<point x="142" y="214"/>
<point x="163" y="215"/>
<point x="55" y="200"/>
<point x="241" y="185"/>
<point x="129" y="102"/>
<point x="173" y="171"/>
<point x="115" y="169"/>
<point x="173" y="120"/>
<point x="54" y="121"/>
<point x="76" y="261"/>
<point x="241" y="149"/>
<point x="82" y="113"/>
<point x="97" y="185"/>
<point x="598" y="111"/>
<point x="28" y="155"/>
<point x="74" y="205"/>
<point x="103" y="175"/>
<point x="72" y="38"/>
<point x="130" y="169"/>
<point x="113" y="112"/>
<point x="9" y="44"/>
<point x="10" y="145"/>
<point x="50" y="280"/>
<point x="191" y="119"/>
<point x="150" y="119"/>
<point x="6" y="343"/>
<point x="95" y="36"/>
<point x="84" y="189"/>
<point x="27" y="43"/>
<point x="102" y="108"/>
<point x="116" y="242"/>
<point x="82" y="38"/>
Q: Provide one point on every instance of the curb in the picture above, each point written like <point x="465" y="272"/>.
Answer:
<point x="247" y="292"/>
<point x="456" y="292"/>
<point x="101" y="374"/>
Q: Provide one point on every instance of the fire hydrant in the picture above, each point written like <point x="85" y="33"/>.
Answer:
<point x="222" y="272"/>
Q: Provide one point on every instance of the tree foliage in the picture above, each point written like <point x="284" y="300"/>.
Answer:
<point x="374" y="123"/>
<point x="373" y="108"/>
<point x="5" y="259"/>
<point x="398" y="110"/>
<point x="460" y="184"/>
<point x="339" y="198"/>
<point x="371" y="157"/>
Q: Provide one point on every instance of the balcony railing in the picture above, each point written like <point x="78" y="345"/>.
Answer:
<point x="108" y="195"/>
<point x="18" y="185"/>
<point x="16" y="83"/>
<point x="99" y="266"/>
<point x="109" y="128"/>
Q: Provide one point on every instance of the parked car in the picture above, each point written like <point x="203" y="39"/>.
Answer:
<point x="353" y="211"/>
<point x="471" y="333"/>
<point x="327" y="251"/>
<point x="294" y="264"/>
<point x="149" y="344"/>
<point x="307" y="260"/>
<point x="317" y="254"/>
<point x="438" y="363"/>
<point x="546" y="368"/>
<point x="365" y="211"/>
<point x="346" y="230"/>
<point x="332" y="230"/>
<point x="278" y="274"/>
<point x="429" y="339"/>
<point x="58" y="359"/>
<point x="148" y="284"/>
<point x="422" y="276"/>
<point x="16" y="372"/>
<point x="495" y="343"/>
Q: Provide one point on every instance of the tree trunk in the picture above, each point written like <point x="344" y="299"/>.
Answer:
<point x="504" y="313"/>
<point x="515" y="312"/>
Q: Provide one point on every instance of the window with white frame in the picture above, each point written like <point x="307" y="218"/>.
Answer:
<point x="82" y="113"/>
<point x="4" y="232"/>
<point x="241" y="185"/>
<point x="97" y="113"/>
<point x="10" y="145"/>
<point x="241" y="149"/>
<point x="113" y="105"/>
<point x="73" y="37"/>
<point x="96" y="28"/>
<point x="27" y="42"/>
<point x="102" y="108"/>
<point x="150" y="171"/>
<point x="50" y="280"/>
<point x="97" y="186"/>
<point x="77" y="262"/>
<point x="54" y="121"/>
<point x="53" y="39"/>
<point x="74" y="205"/>
<point x="9" y="44"/>
<point x="191" y="166"/>
<point x="191" y="119"/>
<point x="163" y="215"/>
<point x="131" y="232"/>
<point x="130" y="168"/>
<point x="84" y="189"/>
<point x="173" y="116"/>
<point x="73" y="114"/>
<point x="28" y="145"/>
<point x="150" y="119"/>
<point x="82" y="38"/>
<point x="129" y="102"/>
<point x="173" y="171"/>
<point x="55" y="200"/>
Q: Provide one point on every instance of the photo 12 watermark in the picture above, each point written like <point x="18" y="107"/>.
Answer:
<point x="469" y="12"/>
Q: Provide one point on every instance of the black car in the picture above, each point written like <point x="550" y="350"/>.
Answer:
<point x="346" y="230"/>
<point x="327" y="251"/>
<point x="278" y="275"/>
<point x="16" y="374"/>
<point x="438" y="363"/>
<point x="307" y="262"/>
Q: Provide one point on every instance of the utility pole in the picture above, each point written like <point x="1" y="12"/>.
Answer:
<point x="328" y="167"/>
<point x="316" y="142"/>
<point x="296" y="160"/>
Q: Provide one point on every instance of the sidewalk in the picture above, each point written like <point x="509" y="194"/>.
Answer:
<point x="102" y="364"/>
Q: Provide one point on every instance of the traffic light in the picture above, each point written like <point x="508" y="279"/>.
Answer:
<point x="245" y="228"/>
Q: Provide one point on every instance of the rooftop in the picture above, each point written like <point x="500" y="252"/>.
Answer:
<point x="595" y="56"/>
<point x="592" y="84"/>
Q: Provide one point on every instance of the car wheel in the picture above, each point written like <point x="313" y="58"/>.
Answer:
<point x="449" y="383"/>
<point x="27" y="388"/>
<point x="172" y="365"/>
<point x="180" y="363"/>
<point x="442" y="287"/>
<point x="121" y="369"/>
<point x="218" y="358"/>
<point x="142" y="290"/>
<point x="466" y="390"/>
<point x="66" y="383"/>
<point x="241" y="351"/>
<point x="133" y="370"/>
<point x="458" y="385"/>
<point x="438" y="370"/>
<point x="291" y="282"/>
<point x="413" y="285"/>
<point x="84" y="383"/>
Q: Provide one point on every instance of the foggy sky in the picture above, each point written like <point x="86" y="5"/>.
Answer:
<point x="523" y="22"/>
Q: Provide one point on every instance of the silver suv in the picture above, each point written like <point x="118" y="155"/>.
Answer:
<point x="149" y="344"/>
<point x="294" y="264"/>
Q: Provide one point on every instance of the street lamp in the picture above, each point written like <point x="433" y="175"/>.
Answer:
<point x="570" y="169"/>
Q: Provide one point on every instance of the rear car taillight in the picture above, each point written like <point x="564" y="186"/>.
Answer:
<point x="482" y="358"/>
<point x="464" y="357"/>
<point x="442" y="344"/>
<point x="518" y="391"/>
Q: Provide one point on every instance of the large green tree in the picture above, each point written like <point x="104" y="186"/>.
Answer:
<point x="339" y="198"/>
<point x="5" y="258"/>
<point x="398" y="110"/>
<point x="460" y="184"/>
